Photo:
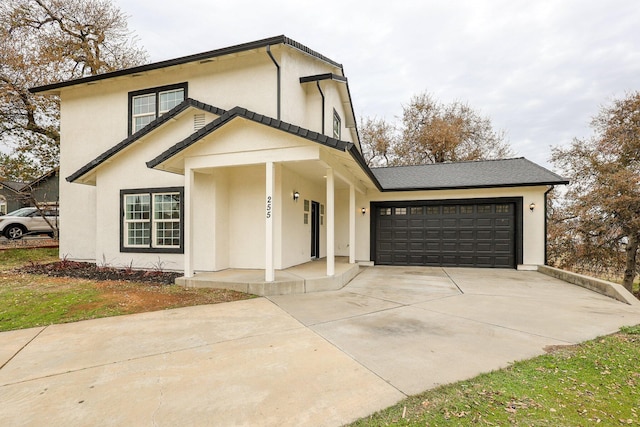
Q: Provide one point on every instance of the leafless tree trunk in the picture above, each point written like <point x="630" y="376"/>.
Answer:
<point x="630" y="267"/>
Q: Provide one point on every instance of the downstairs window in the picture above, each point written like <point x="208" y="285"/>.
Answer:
<point x="151" y="220"/>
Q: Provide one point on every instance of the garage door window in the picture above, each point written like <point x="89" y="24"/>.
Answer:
<point x="449" y="210"/>
<point x="503" y="208"/>
<point x="483" y="209"/>
<point x="433" y="210"/>
<point x="416" y="210"/>
<point x="466" y="209"/>
<point x="385" y="211"/>
<point x="401" y="211"/>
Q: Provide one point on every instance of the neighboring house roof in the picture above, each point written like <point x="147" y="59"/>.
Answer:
<point x="142" y="132"/>
<point x="190" y="58"/>
<point x="14" y="186"/>
<point x="38" y="180"/>
<point x="475" y="174"/>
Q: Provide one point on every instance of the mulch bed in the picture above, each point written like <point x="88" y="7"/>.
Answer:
<point x="85" y="270"/>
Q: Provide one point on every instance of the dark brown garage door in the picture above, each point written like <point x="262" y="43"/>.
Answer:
<point x="462" y="234"/>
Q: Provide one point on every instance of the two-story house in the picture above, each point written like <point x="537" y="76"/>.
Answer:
<point x="248" y="157"/>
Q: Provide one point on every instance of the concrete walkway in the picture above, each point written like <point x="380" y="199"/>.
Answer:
<point x="320" y="359"/>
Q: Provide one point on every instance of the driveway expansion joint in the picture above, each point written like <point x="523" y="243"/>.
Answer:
<point x="23" y="347"/>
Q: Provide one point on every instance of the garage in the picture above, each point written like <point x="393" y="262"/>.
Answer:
<point x="460" y="233"/>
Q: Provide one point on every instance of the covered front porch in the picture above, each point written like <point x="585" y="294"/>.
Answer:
<point x="308" y="277"/>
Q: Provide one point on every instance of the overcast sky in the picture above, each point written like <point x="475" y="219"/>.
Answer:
<point x="539" y="69"/>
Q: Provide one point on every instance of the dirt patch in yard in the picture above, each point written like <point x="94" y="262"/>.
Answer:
<point x="131" y="297"/>
<point x="124" y="291"/>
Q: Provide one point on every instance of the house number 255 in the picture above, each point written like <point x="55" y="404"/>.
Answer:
<point x="268" y="206"/>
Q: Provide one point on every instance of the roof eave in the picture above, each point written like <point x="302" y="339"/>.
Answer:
<point x="54" y="87"/>
<point x="470" y="187"/>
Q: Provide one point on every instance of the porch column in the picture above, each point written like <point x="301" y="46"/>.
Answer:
<point x="269" y="273"/>
<point x="331" y="246"/>
<point x="188" y="228"/>
<point x="352" y="224"/>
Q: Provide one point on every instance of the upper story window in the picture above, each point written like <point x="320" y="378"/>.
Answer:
<point x="146" y="105"/>
<point x="336" y="125"/>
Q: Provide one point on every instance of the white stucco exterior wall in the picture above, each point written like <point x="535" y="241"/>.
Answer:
<point x="533" y="222"/>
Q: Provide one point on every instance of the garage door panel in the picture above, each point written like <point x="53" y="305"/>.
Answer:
<point x="434" y="234"/>
<point x="416" y="234"/>
<point x="462" y="234"/>
<point x="400" y="234"/>
<point x="467" y="222"/>
<point x="416" y="223"/>
<point x="400" y="246"/>
<point x="467" y="235"/>
<point x="432" y="246"/>
<point x="502" y="235"/>
<point x="484" y="222"/>
<point x="450" y="222"/>
<point x="486" y="235"/>
<point x="433" y="223"/>
<point x="449" y="246"/>
<point x="417" y="246"/>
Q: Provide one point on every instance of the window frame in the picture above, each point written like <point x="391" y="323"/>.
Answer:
<point x="337" y="121"/>
<point x="152" y="247"/>
<point x="156" y="91"/>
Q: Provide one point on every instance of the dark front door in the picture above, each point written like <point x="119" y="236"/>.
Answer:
<point x="315" y="230"/>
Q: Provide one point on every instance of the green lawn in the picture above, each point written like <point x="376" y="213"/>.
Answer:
<point x="29" y="300"/>
<point x="594" y="383"/>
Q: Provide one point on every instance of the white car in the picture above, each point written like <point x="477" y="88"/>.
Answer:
<point x="17" y="224"/>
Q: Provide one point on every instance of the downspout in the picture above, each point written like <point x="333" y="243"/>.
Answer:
<point x="279" y="78"/>
<point x="322" y="95"/>
<point x="546" y="208"/>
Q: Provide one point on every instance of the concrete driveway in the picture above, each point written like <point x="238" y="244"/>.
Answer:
<point x="319" y="359"/>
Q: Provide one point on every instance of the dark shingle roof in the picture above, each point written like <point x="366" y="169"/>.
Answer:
<point x="255" y="117"/>
<point x="13" y="185"/>
<point x="191" y="58"/>
<point x="477" y="174"/>
<point x="142" y="132"/>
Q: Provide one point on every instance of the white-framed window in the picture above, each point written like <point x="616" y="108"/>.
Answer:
<point x="152" y="220"/>
<point x="3" y="205"/>
<point x="146" y="105"/>
<point x="337" y="125"/>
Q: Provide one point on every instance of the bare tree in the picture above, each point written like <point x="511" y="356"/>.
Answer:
<point x="378" y="138"/>
<point x="45" y="41"/>
<point x="604" y="195"/>
<point x="432" y="132"/>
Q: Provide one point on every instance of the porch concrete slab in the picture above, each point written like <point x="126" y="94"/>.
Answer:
<point x="414" y="349"/>
<point x="307" y="277"/>
<point x="116" y="339"/>
<point x="287" y="378"/>
<point x="321" y="307"/>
